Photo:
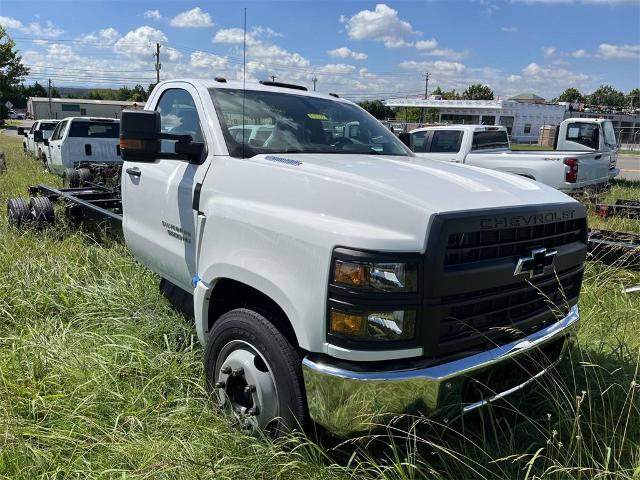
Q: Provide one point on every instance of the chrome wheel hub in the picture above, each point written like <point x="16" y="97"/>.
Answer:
<point x="245" y="386"/>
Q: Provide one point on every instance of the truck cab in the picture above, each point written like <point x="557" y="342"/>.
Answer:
<point x="34" y="142"/>
<point x="589" y="135"/>
<point x="339" y="278"/>
<point x="79" y="141"/>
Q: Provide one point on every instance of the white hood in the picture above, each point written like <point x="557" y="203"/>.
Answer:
<point x="363" y="201"/>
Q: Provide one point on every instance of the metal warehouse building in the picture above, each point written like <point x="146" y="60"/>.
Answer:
<point x="38" y="107"/>
<point x="523" y="115"/>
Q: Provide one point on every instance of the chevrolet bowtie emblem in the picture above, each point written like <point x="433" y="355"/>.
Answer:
<point x="537" y="264"/>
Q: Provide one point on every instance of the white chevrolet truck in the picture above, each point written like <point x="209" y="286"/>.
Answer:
<point x="78" y="144"/>
<point x="339" y="279"/>
<point x="585" y="154"/>
<point x="40" y="131"/>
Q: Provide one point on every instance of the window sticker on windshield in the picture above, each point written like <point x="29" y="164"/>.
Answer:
<point x="317" y="116"/>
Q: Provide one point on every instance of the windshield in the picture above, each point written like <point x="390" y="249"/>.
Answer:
<point x="95" y="129"/>
<point x="48" y="126"/>
<point x="609" y="135"/>
<point x="277" y="122"/>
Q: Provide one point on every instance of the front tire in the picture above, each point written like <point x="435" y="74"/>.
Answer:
<point x="254" y="373"/>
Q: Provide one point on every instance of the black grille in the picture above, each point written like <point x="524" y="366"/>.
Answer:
<point x="496" y="315"/>
<point x="468" y="247"/>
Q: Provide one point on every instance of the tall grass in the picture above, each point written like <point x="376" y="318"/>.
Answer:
<point x="97" y="382"/>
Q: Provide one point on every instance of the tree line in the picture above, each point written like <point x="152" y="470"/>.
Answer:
<point x="605" y="96"/>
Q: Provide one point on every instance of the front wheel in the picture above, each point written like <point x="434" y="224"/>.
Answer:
<point x="255" y="374"/>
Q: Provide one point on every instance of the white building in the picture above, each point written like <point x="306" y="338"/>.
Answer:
<point x="523" y="118"/>
<point x="38" y="107"/>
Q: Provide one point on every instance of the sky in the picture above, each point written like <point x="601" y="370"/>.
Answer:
<point x="358" y="49"/>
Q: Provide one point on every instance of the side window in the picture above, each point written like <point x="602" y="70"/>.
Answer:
<point x="33" y="127"/>
<point x="179" y="116"/>
<point x="446" y="141"/>
<point x="419" y="142"/>
<point x="57" y="134"/>
<point x="527" y="128"/>
<point x="587" y="134"/>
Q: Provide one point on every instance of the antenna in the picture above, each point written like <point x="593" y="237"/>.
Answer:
<point x="244" y="73"/>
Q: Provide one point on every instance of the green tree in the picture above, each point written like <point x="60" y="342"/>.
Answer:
<point x="446" y="95"/>
<point x="37" y="90"/>
<point x="633" y="98"/>
<point x="571" y="95"/>
<point x="11" y="70"/>
<point x="124" y="93"/>
<point x="608" y="96"/>
<point x="377" y="109"/>
<point x="408" y="114"/>
<point x="478" y="91"/>
<point x="138" y="94"/>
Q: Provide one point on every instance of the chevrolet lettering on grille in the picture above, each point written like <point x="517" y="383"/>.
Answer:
<point x="537" y="264"/>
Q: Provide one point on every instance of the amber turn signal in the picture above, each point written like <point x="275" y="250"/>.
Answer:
<point x="348" y="273"/>
<point x="347" y="323"/>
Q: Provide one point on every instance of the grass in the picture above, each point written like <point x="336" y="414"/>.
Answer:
<point x="94" y="383"/>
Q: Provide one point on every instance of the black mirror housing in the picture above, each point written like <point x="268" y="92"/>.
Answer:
<point x="139" y="135"/>
<point x="21" y="131"/>
<point x="405" y="137"/>
<point x="38" y="136"/>
<point x="46" y="142"/>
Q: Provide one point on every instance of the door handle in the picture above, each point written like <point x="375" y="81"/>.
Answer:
<point x="134" y="171"/>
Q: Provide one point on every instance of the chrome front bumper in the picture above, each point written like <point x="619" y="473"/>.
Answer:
<point x="348" y="402"/>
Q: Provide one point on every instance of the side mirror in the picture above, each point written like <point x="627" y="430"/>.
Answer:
<point x="38" y="136"/>
<point x="139" y="135"/>
<point x="405" y="137"/>
<point x="21" y="131"/>
<point x="46" y="142"/>
<point x="140" y="138"/>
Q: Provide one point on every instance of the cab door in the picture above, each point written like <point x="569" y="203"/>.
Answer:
<point x="55" y="148"/>
<point x="160" y="223"/>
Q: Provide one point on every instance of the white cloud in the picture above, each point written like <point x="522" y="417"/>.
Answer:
<point x="548" y="51"/>
<point x="426" y="44"/>
<point x="141" y="43"/>
<point x="153" y="14"/>
<point x="208" y="61"/>
<point x="381" y="25"/>
<point x="193" y="18"/>
<point x="441" y="67"/>
<point x="264" y="32"/>
<point x="344" y="52"/>
<point x="532" y="69"/>
<point x="429" y="47"/>
<point x="336" y="69"/>
<point x="509" y="29"/>
<point x="233" y="36"/>
<point x="513" y="78"/>
<point x="580" y="54"/>
<point x="618" y="52"/>
<point x="34" y="28"/>
<point x="105" y="38"/>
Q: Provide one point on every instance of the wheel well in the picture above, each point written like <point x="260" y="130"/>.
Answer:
<point x="228" y="294"/>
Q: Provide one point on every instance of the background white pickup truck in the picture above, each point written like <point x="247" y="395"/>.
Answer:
<point x="335" y="276"/>
<point x="575" y="167"/>
<point x="83" y="140"/>
<point x="35" y="146"/>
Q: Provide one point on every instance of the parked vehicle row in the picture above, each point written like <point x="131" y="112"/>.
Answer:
<point x="76" y="148"/>
<point x="333" y="275"/>
<point x="585" y="154"/>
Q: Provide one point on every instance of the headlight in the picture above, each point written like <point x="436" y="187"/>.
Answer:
<point x="381" y="277"/>
<point x="374" y="325"/>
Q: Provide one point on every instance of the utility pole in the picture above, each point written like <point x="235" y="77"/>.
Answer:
<point x="314" y="80"/>
<point x="273" y="78"/>
<point x="426" y="85"/>
<point x="426" y="94"/>
<point x="50" y="110"/>
<point x="158" y="64"/>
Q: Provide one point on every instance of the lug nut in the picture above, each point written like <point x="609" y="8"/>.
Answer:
<point x="226" y="370"/>
<point x="243" y="410"/>
<point x="237" y="371"/>
<point x="249" y="389"/>
<point x="219" y="385"/>
<point x="253" y="411"/>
